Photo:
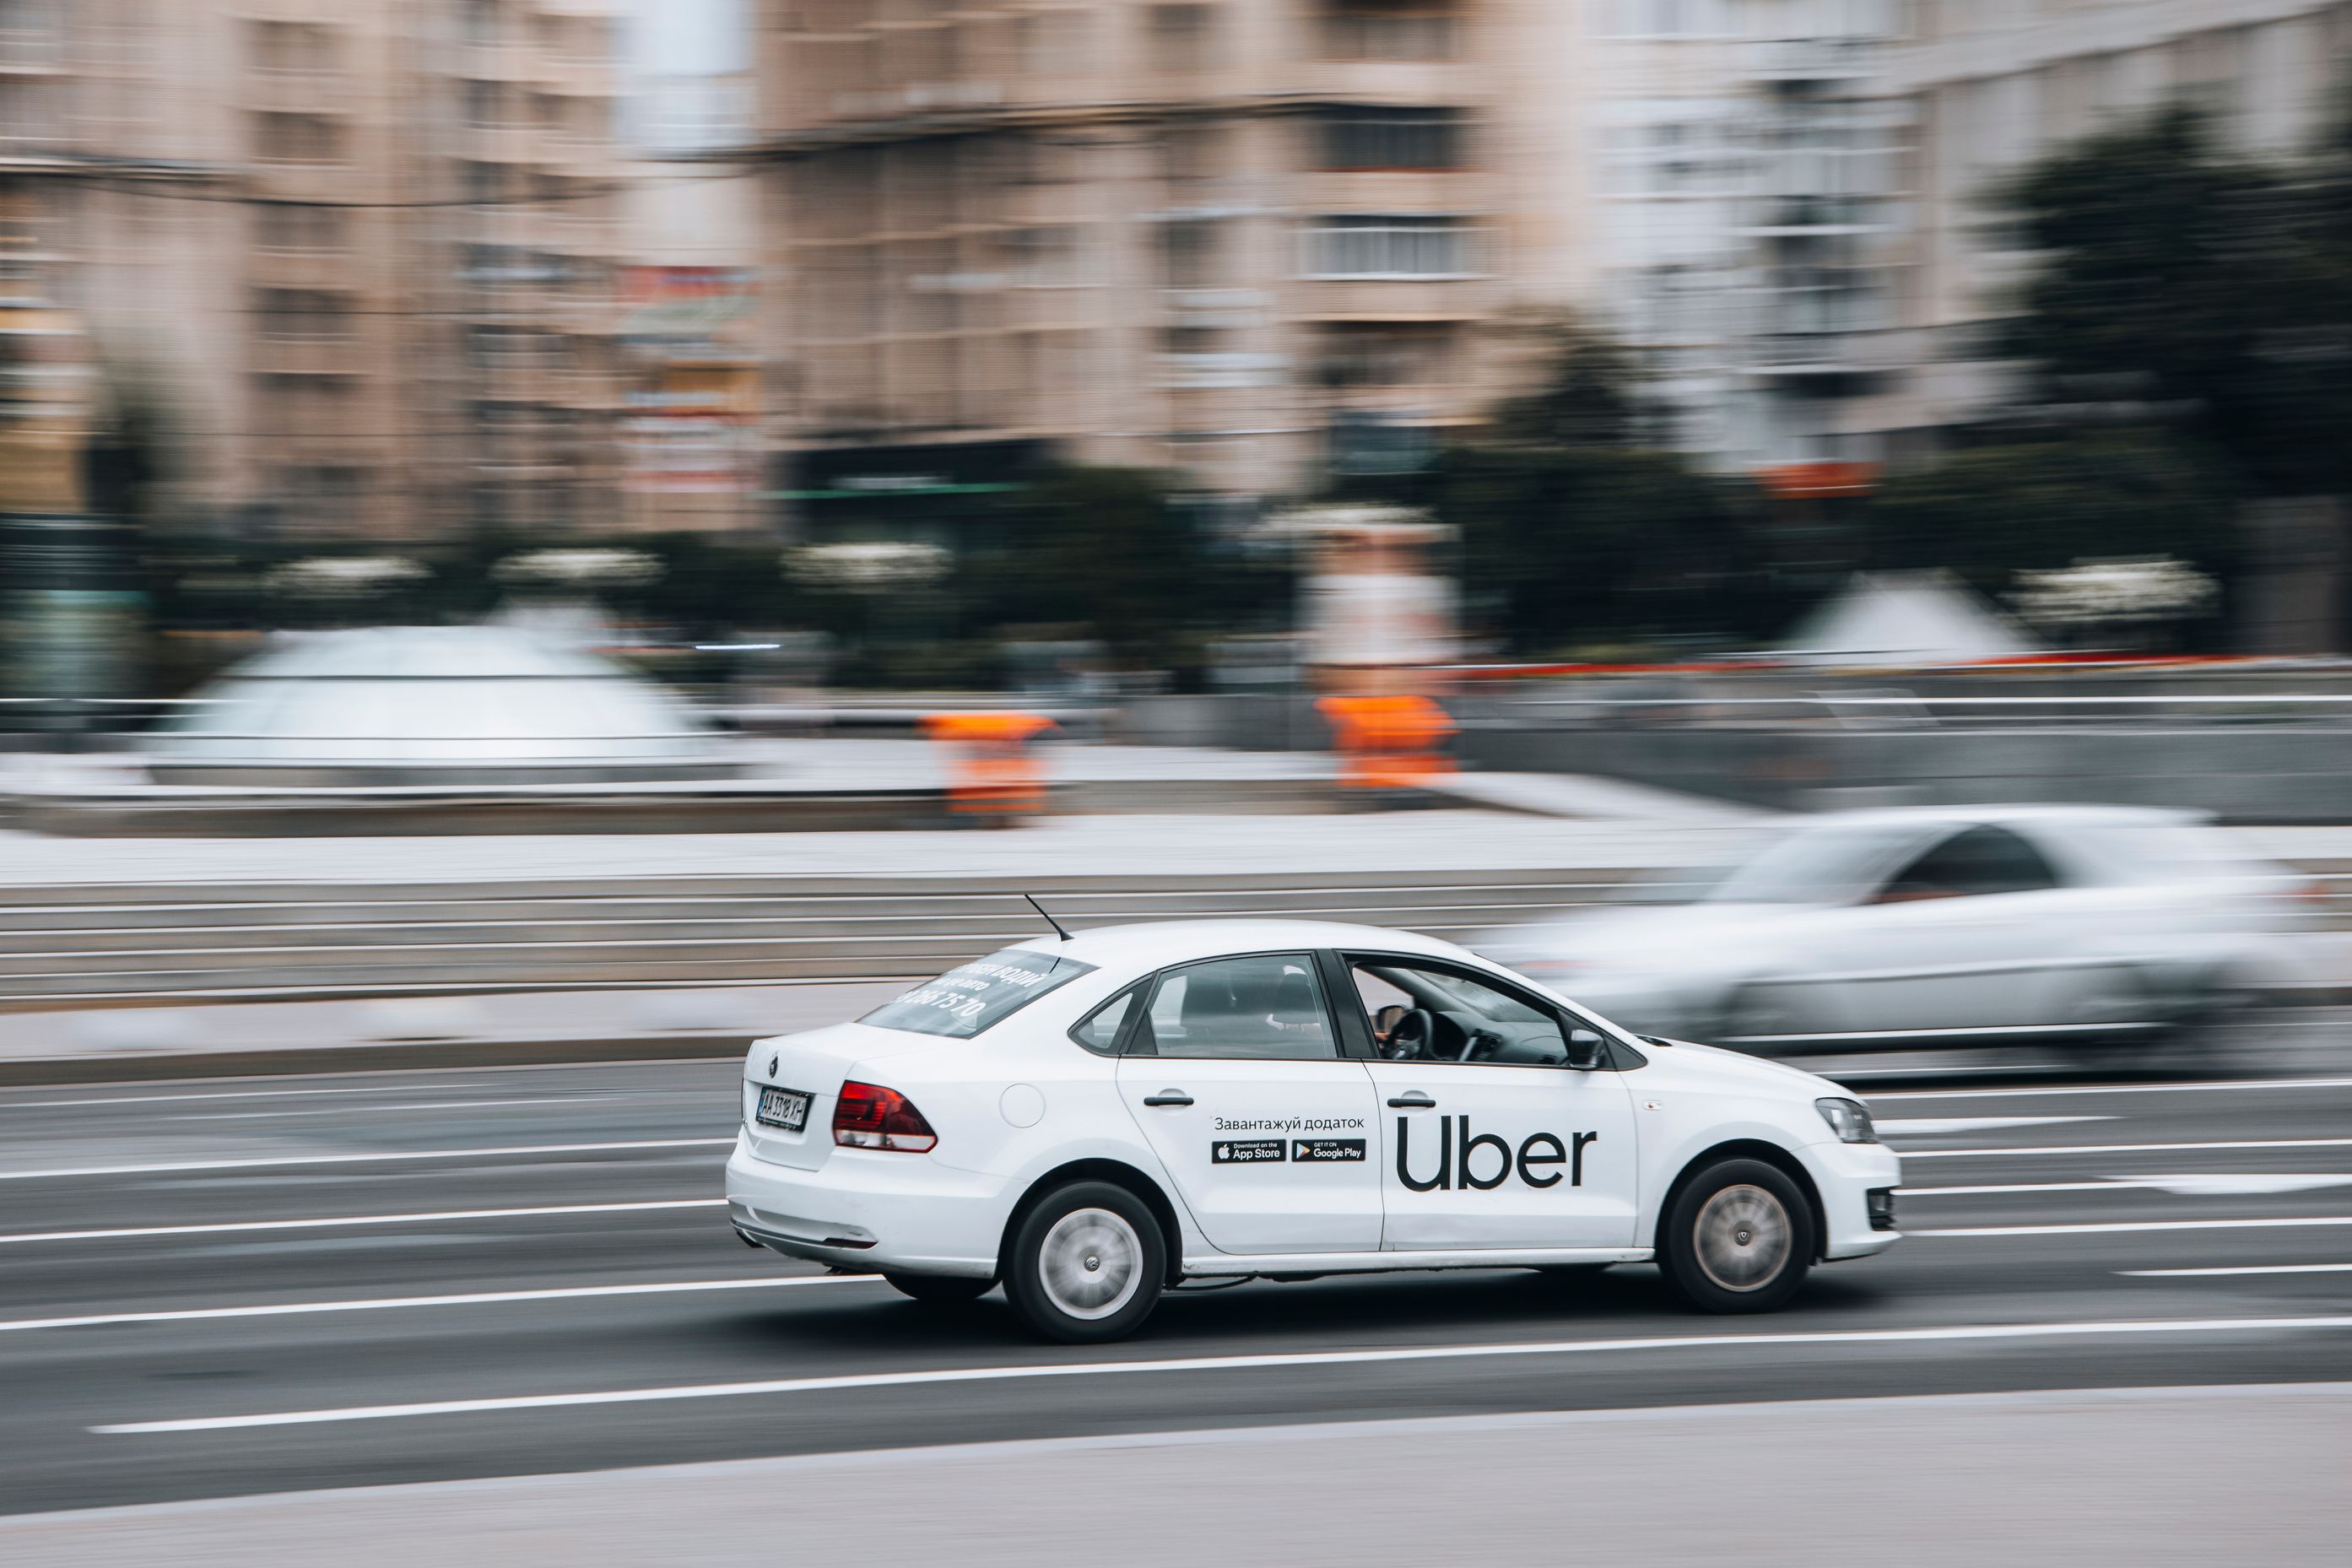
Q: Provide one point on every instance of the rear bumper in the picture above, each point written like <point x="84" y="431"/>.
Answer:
<point x="1846" y="1174"/>
<point x="870" y="1210"/>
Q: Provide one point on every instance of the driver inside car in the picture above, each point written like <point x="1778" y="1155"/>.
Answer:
<point x="1418" y="1015"/>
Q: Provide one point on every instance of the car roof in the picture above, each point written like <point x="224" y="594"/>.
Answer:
<point x="1155" y="944"/>
<point x="2013" y="816"/>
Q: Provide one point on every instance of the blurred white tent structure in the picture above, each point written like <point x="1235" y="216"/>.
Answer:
<point x="1906" y="618"/>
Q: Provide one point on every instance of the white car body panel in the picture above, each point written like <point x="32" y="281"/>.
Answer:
<point x="2118" y="948"/>
<point x="1023" y="1100"/>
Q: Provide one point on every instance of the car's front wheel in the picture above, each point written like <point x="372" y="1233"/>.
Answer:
<point x="1739" y="1238"/>
<point x="1085" y="1264"/>
<point x="940" y="1290"/>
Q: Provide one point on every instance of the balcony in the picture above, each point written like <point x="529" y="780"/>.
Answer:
<point x="306" y="356"/>
<point x="1822" y="355"/>
<point x="1825" y="60"/>
<point x="334" y="271"/>
<point x="273" y="92"/>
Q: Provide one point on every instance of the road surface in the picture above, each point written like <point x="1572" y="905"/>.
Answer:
<point x="231" y="1288"/>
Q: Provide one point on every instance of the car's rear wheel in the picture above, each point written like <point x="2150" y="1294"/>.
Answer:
<point x="1739" y="1238"/>
<point x="940" y="1290"/>
<point x="1087" y="1264"/>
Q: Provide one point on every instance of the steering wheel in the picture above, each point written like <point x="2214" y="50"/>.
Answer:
<point x="1411" y="1037"/>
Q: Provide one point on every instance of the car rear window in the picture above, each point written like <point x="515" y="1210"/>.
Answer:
<point x="974" y="996"/>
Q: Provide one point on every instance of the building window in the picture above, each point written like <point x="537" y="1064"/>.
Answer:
<point x="1664" y="19"/>
<point x="1050" y="258"/>
<point x="1392" y="30"/>
<point x="1189" y="253"/>
<point x="290" y="46"/>
<point x="1387" y="354"/>
<point x="297" y="139"/>
<point x="300" y="315"/>
<point x="1382" y="245"/>
<point x="303" y="230"/>
<point x="1184" y="38"/>
<point x="486" y="103"/>
<point x="1357" y="136"/>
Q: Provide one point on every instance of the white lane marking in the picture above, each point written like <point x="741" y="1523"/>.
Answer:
<point x="2240" y="1268"/>
<point x="224" y="1227"/>
<point x="1927" y="1126"/>
<point x="1219" y="1364"/>
<point x="390" y="1303"/>
<point x="1995" y="1189"/>
<point x="2228" y="1184"/>
<point x="2205" y="1184"/>
<point x="2223" y="1085"/>
<point x="375" y="1159"/>
<point x="2028" y="1151"/>
<point x="380" y="1109"/>
<point x="2117" y="1227"/>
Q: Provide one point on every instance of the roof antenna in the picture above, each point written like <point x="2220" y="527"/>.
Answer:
<point x="1049" y="919"/>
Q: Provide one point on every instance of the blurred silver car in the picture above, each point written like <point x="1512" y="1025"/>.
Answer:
<point x="2091" y="929"/>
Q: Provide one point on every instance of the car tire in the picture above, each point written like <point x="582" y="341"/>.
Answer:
<point x="939" y="1289"/>
<point x="1085" y="1264"/>
<point x="1739" y="1238"/>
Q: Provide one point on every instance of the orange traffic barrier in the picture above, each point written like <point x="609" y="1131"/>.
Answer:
<point x="992" y="771"/>
<point x="1389" y="742"/>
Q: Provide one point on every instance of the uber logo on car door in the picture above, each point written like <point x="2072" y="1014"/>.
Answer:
<point x="1253" y="1152"/>
<point x="1327" y="1151"/>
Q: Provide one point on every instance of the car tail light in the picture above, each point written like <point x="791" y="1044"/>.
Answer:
<point x="869" y="1116"/>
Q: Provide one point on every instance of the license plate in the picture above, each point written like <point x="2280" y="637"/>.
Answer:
<point x="784" y="1108"/>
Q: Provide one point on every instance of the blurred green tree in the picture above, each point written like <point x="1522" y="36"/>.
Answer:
<point x="1580" y="535"/>
<point x="1990" y="513"/>
<point x="2185" y="287"/>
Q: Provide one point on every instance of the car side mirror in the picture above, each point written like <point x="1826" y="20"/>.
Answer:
<point x="1587" y="1052"/>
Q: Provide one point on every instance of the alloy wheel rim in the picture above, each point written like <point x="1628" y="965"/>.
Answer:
<point x="1742" y="1238"/>
<point x="1090" y="1263"/>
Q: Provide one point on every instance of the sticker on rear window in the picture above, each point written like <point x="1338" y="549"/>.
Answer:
<point x="972" y="996"/>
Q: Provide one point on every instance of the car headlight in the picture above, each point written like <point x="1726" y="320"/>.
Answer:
<point x="1848" y="1120"/>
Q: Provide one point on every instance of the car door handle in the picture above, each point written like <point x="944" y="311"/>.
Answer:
<point x="1411" y="1100"/>
<point x="1168" y="1097"/>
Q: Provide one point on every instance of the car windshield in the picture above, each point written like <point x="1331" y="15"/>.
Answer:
<point x="1817" y="865"/>
<point x="972" y="996"/>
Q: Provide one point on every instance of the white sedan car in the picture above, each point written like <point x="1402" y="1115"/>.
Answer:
<point x="1096" y="1119"/>
<point x="2101" y="931"/>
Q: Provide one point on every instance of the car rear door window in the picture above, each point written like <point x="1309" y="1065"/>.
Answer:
<point x="1970" y="864"/>
<point x="1266" y="1007"/>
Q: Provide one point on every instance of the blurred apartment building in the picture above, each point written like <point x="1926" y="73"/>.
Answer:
<point x="1792" y="194"/>
<point x="1251" y="240"/>
<point x="1239" y="240"/>
<point x="363" y="254"/>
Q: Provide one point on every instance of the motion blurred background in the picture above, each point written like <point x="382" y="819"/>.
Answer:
<point x="579" y="532"/>
<point x="491" y="417"/>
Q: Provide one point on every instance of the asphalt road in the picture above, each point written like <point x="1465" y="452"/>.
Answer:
<point x="531" y="1235"/>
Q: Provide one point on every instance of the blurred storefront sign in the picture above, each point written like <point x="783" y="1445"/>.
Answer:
<point x="691" y="425"/>
<point x="921" y="493"/>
